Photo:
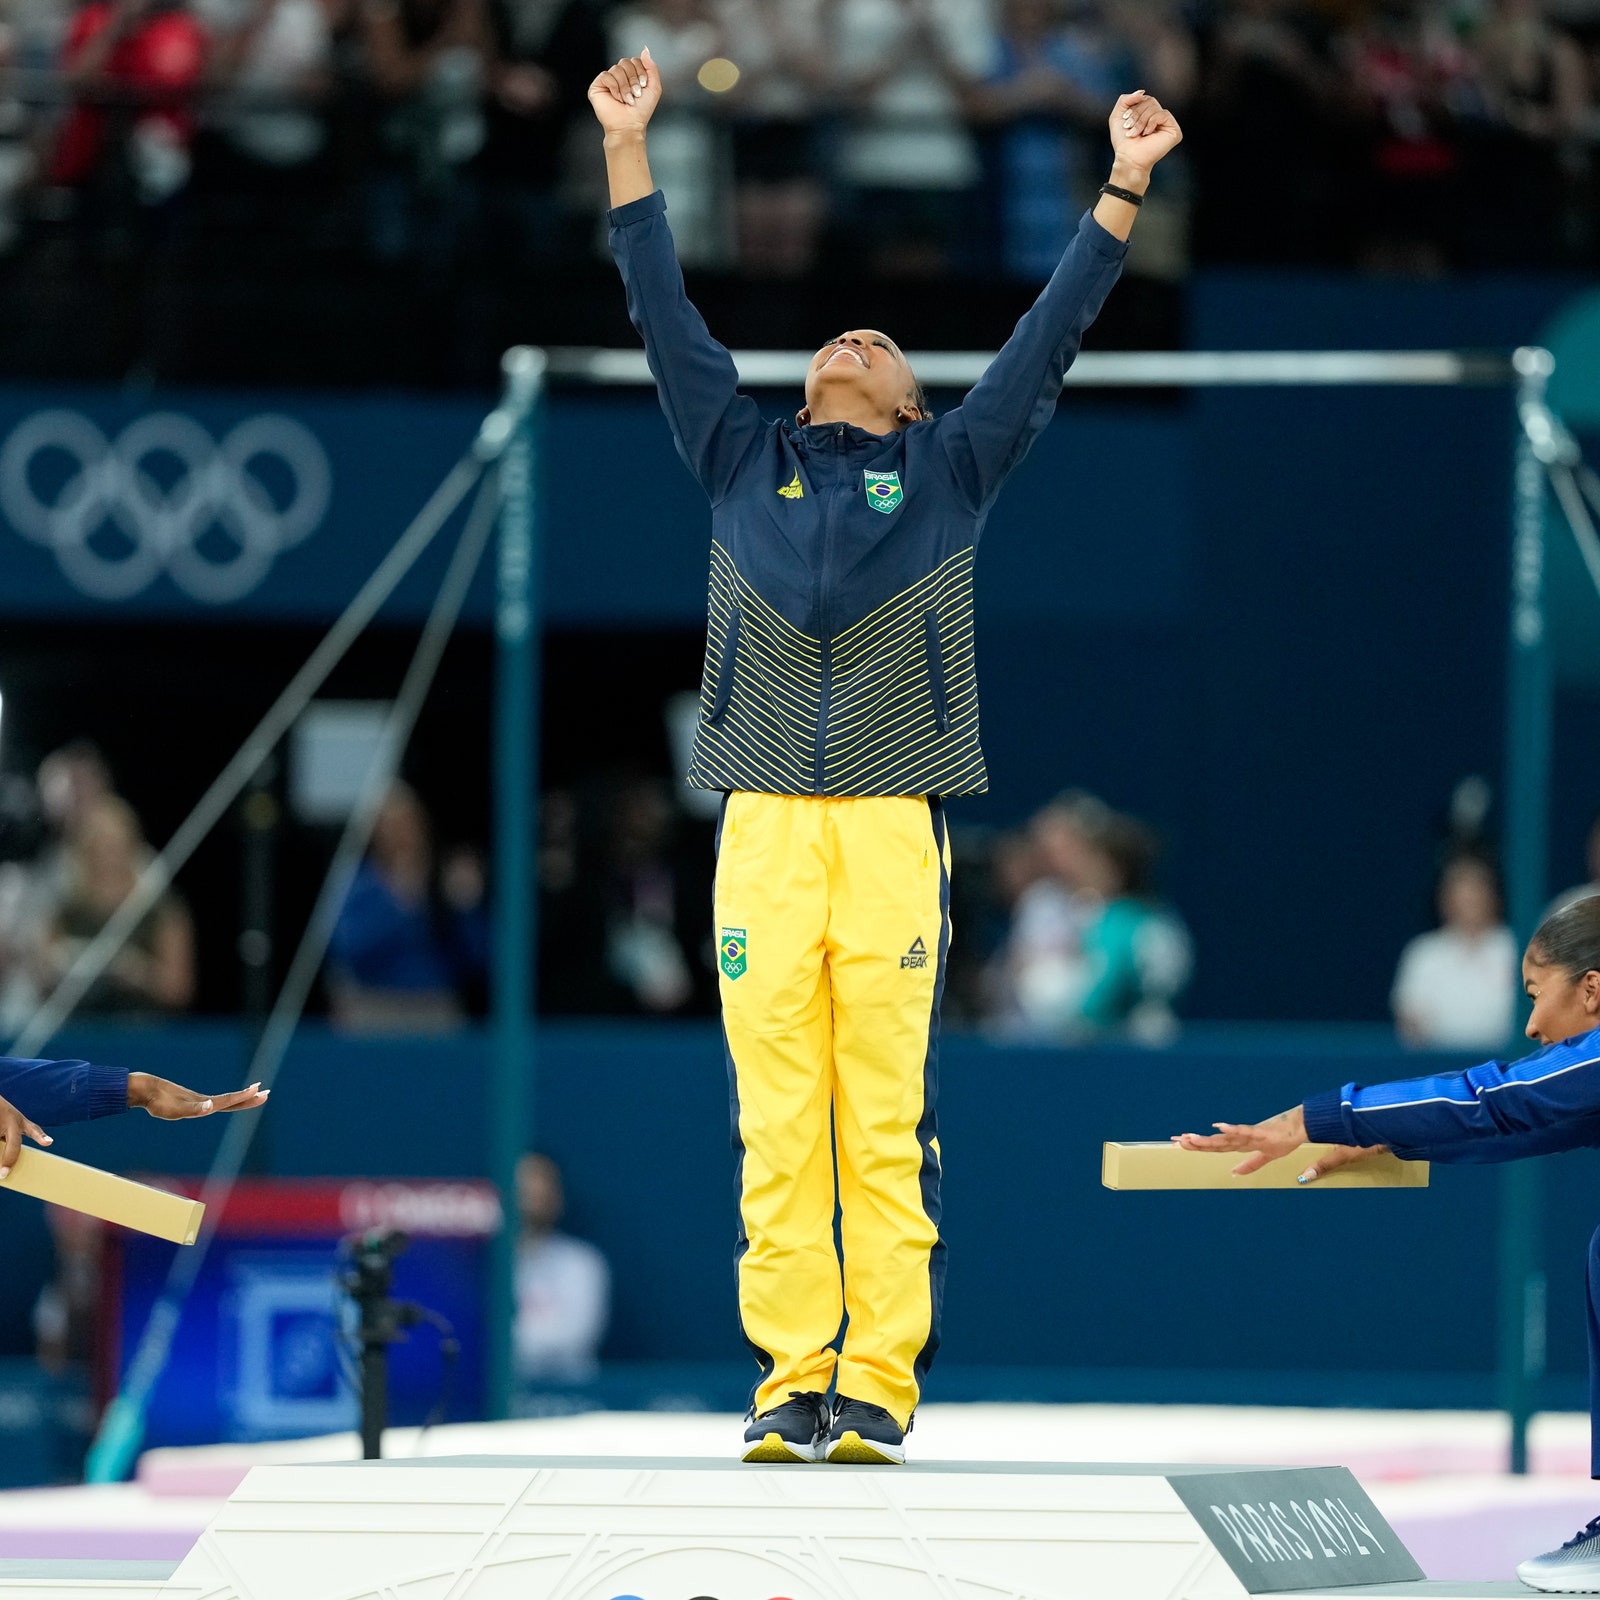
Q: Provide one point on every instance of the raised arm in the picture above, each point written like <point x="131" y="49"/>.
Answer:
<point x="989" y="434"/>
<point x="712" y="424"/>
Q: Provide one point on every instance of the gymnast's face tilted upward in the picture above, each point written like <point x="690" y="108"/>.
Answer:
<point x="863" y="378"/>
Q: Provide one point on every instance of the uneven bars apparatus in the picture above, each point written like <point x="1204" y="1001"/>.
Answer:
<point x="1530" y="695"/>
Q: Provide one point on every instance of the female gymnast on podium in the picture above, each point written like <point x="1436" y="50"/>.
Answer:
<point x="839" y="708"/>
<point x="1546" y="1101"/>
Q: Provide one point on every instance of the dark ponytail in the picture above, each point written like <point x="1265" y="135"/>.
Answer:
<point x="1570" y="938"/>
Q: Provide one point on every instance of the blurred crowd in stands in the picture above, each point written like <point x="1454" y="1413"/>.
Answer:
<point x="919" y="137"/>
<point x="62" y="887"/>
<point x="1062" y="934"/>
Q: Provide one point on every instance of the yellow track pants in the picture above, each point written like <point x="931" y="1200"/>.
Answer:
<point x="833" y="927"/>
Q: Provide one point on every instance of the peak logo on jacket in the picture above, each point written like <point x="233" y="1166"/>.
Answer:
<point x="795" y="490"/>
<point x="883" y="491"/>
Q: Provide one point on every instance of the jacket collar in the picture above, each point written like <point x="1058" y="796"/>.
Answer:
<point x="828" y="435"/>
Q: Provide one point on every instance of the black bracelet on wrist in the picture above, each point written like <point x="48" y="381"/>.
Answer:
<point x="1122" y="194"/>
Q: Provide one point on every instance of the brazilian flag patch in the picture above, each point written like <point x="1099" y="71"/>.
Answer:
<point x="733" y="953"/>
<point x="884" y="492"/>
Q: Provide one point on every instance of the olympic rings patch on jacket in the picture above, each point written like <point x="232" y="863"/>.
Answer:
<point x="164" y="496"/>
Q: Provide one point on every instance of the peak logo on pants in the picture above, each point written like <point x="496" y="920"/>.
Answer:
<point x="915" y="957"/>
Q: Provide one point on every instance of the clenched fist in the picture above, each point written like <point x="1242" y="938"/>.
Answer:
<point x="1143" y="130"/>
<point x="625" y="96"/>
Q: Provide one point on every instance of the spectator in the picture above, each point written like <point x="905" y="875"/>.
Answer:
<point x="1271" y="66"/>
<point x="625" y="902"/>
<point x="428" y="62"/>
<point x="563" y="1287"/>
<point x="644" y="948"/>
<point x="688" y="149"/>
<point x="1456" y="987"/>
<point x="1161" y="54"/>
<point x="1584" y="890"/>
<point x="1092" y="951"/>
<point x="1045" y="92"/>
<point x="278" y="70"/>
<point x="779" y="49"/>
<point x="134" y="66"/>
<point x="1410" y="80"/>
<point x="1536" y="92"/>
<point x="69" y="781"/>
<point x="18" y="157"/>
<point x="545" y="54"/>
<point x="907" y="157"/>
<point x="409" y="946"/>
<point x="154" y="971"/>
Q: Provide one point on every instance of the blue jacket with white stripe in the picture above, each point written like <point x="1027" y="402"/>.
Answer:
<point x="839" y="655"/>
<point x="1500" y="1111"/>
<point x="62" y="1091"/>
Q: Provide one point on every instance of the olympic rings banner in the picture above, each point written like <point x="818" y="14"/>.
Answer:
<point x="209" y="504"/>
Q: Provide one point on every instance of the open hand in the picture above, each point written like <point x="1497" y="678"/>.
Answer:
<point x="1258" y="1142"/>
<point x="1279" y="1136"/>
<point x="625" y="96"/>
<point x="14" y="1128"/>
<point x="1143" y="130"/>
<point x="171" y="1102"/>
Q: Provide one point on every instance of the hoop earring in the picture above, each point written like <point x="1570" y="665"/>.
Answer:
<point x="802" y="417"/>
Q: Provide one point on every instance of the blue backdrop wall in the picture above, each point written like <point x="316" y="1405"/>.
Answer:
<point x="1272" y="623"/>
<point x="1057" y="1288"/>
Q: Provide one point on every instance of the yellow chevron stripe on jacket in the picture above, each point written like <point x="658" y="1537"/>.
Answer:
<point x="888" y="706"/>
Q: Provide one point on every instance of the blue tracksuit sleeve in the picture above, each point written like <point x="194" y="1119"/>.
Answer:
<point x="993" y="429"/>
<point x="62" y="1091"/>
<point x="1545" y="1102"/>
<point x="713" y="425"/>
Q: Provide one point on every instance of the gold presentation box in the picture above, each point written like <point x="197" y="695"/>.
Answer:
<point x="104" y="1195"/>
<point x="1160" y="1164"/>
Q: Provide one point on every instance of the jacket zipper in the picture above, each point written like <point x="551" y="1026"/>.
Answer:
<point x="825" y="614"/>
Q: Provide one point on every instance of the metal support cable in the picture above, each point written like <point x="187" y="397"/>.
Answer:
<point x="1573" y="480"/>
<point x="1571" y="499"/>
<point x="121" y="1430"/>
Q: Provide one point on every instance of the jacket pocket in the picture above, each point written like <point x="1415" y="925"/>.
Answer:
<point x="725" y="670"/>
<point x="936" y="684"/>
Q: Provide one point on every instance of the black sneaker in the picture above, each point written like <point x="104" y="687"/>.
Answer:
<point x="795" y="1431"/>
<point x="865" y="1435"/>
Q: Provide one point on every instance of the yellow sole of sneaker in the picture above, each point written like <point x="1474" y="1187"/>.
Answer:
<point x="853" y="1451"/>
<point x="775" y="1448"/>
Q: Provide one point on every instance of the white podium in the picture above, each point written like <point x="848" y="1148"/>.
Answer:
<point x="616" y="1529"/>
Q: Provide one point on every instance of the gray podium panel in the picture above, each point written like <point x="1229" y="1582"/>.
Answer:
<point x="489" y="1528"/>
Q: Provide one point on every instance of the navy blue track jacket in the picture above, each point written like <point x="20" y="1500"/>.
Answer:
<point x="1545" y="1102"/>
<point x="62" y="1091"/>
<point x="839" y="655"/>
